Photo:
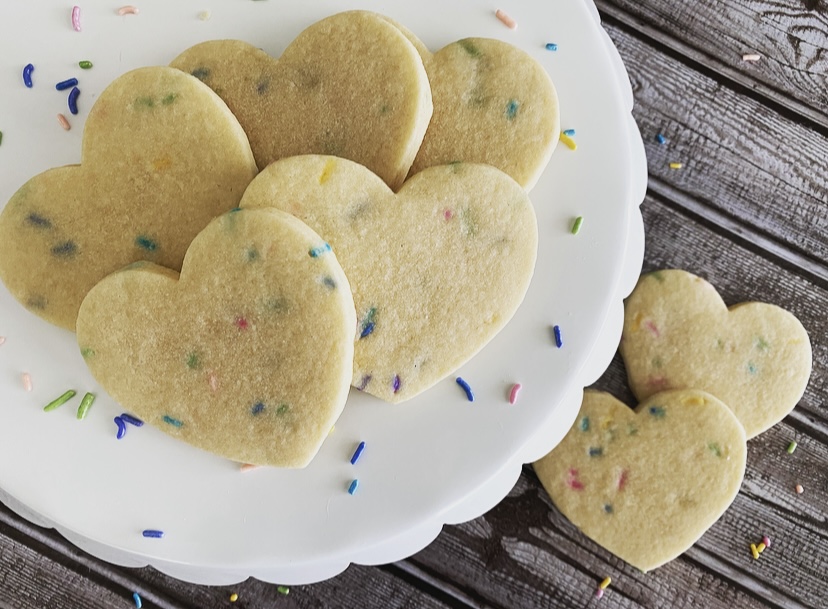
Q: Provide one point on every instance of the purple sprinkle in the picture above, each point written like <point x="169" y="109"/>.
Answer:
<point x="121" y="427"/>
<point x="364" y="382"/>
<point x="352" y="489"/>
<point x="153" y="533"/>
<point x="397" y="383"/>
<point x="466" y="388"/>
<point x="27" y="76"/>
<point x="66" y="84"/>
<point x="128" y="418"/>
<point x="558" y="338"/>
<point x="73" y="100"/>
<point x="357" y="453"/>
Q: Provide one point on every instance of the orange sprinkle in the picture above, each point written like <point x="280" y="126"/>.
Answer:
<point x="246" y="467"/>
<point x="27" y="381"/>
<point x="799" y="489"/>
<point x="506" y="19"/>
<point x="128" y="10"/>
<point x="64" y="122"/>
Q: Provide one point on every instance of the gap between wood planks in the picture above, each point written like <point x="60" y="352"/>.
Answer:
<point x="711" y="66"/>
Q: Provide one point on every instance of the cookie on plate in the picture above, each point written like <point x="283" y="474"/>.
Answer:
<point x="162" y="156"/>
<point x="247" y="354"/>
<point x="436" y="270"/>
<point x="646" y="484"/>
<point x="350" y="85"/>
<point x="678" y="333"/>
<point x="493" y="104"/>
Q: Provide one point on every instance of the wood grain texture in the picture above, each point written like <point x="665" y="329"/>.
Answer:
<point x="791" y="36"/>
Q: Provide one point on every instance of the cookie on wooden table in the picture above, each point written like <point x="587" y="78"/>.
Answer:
<point x="247" y="354"/>
<point x="162" y="156"/>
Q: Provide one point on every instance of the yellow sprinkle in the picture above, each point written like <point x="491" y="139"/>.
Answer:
<point x="570" y="143"/>
<point x="637" y="321"/>
<point x="694" y="401"/>
<point x="205" y="15"/>
<point x="162" y="164"/>
<point x="761" y="547"/>
<point x="676" y="165"/>
<point x="234" y="597"/>
<point x="327" y="171"/>
<point x="605" y="584"/>
<point x="754" y="551"/>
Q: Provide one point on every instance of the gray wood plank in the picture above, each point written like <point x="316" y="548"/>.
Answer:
<point x="533" y="557"/>
<point x="791" y="36"/>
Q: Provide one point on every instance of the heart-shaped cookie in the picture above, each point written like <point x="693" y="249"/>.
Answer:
<point x="162" y="156"/>
<point x="247" y="355"/>
<point x="350" y="85"/>
<point x="646" y="484"/>
<point x="493" y="104"/>
<point x="436" y="270"/>
<point x="678" y="333"/>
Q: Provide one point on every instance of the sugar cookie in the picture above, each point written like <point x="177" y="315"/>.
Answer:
<point x="437" y="270"/>
<point x="247" y="355"/>
<point x="162" y="156"/>
<point x="646" y="484"/>
<point x="350" y="85"/>
<point x="679" y="334"/>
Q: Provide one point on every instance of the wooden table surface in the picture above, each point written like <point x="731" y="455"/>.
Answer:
<point x="748" y="211"/>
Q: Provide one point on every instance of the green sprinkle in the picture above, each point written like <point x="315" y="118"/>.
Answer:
<point x="85" y="405"/>
<point x="512" y="109"/>
<point x="87" y="352"/>
<point x="657" y="411"/>
<point x="714" y="448"/>
<point x="792" y="447"/>
<point x="282" y="409"/>
<point x="283" y="590"/>
<point x="1" y="137"/>
<point x="193" y="361"/>
<point x="631" y="429"/>
<point x="576" y="226"/>
<point x="85" y="65"/>
<point x="658" y="276"/>
<point x="762" y="344"/>
<point x="146" y="243"/>
<point x="172" y="421"/>
<point x="585" y="424"/>
<point x="470" y="48"/>
<point x="201" y="73"/>
<point x="169" y="99"/>
<point x="57" y="403"/>
<point x="751" y="368"/>
<point x="252" y="254"/>
<point x="146" y="102"/>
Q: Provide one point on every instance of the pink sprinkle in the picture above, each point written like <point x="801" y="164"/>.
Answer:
<point x="622" y="480"/>
<point x="657" y="382"/>
<point x="652" y="328"/>
<point x="2" y="339"/>
<point x="506" y="19"/>
<point x="448" y="215"/>
<point x="27" y="381"/>
<point x="213" y="382"/>
<point x="513" y="394"/>
<point x="246" y="467"/>
<point x="799" y="489"/>
<point x="76" y="18"/>
<point x="599" y="593"/>
<point x="64" y="122"/>
<point x="241" y="322"/>
<point x="573" y="482"/>
<point x="128" y="10"/>
<point x="766" y="541"/>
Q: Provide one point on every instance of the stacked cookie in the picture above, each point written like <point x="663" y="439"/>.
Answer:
<point x="646" y="484"/>
<point x="388" y="237"/>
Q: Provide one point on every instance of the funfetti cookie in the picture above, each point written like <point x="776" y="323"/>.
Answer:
<point x="646" y="484"/>
<point x="350" y="85"/>
<point x="678" y="333"/>
<point x="493" y="104"/>
<point x="248" y="354"/>
<point x="436" y="270"/>
<point x="162" y="156"/>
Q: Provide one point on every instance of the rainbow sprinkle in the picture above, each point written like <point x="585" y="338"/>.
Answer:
<point x="152" y="533"/>
<point x="469" y="394"/>
<point x="58" y="402"/>
<point x="353" y="488"/>
<point x="357" y="453"/>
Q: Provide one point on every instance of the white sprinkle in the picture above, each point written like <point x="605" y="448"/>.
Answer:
<point x="751" y="57"/>
<point x="27" y="381"/>
<point x="205" y="15"/>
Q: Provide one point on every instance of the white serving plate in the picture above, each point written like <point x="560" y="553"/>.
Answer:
<point x="434" y="460"/>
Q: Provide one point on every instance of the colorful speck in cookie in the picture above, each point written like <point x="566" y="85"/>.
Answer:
<point x="350" y="85"/>
<point x="162" y="156"/>
<point x="493" y="104"/>
<point x="437" y="270"/>
<point x="248" y="354"/>
<point x="678" y="333"/>
<point x="646" y="484"/>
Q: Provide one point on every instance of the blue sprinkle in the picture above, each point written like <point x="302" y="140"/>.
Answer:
<point x="73" y="100"/>
<point x="354" y="484"/>
<point x="318" y="251"/>
<point x="172" y="421"/>
<point x="201" y="73"/>
<point x="569" y="132"/>
<point x="367" y="330"/>
<point x="121" y="427"/>
<point x="234" y="210"/>
<point x="551" y="46"/>
<point x="466" y="388"/>
<point x="608" y="508"/>
<point x="368" y="322"/>
<point x="329" y="282"/>
<point x="128" y="418"/>
<point x="661" y="139"/>
<point x="146" y="243"/>
<point x="511" y="109"/>
<point x="397" y="383"/>
<point x="67" y="249"/>
<point x="27" y="76"/>
<point x="558" y="339"/>
<point x="585" y="424"/>
<point x="153" y="533"/>
<point x="137" y="598"/>
<point x="39" y="221"/>
<point x="596" y="452"/>
<point x="657" y="411"/>
<point x="259" y="407"/>
<point x="66" y="84"/>
<point x="357" y="453"/>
